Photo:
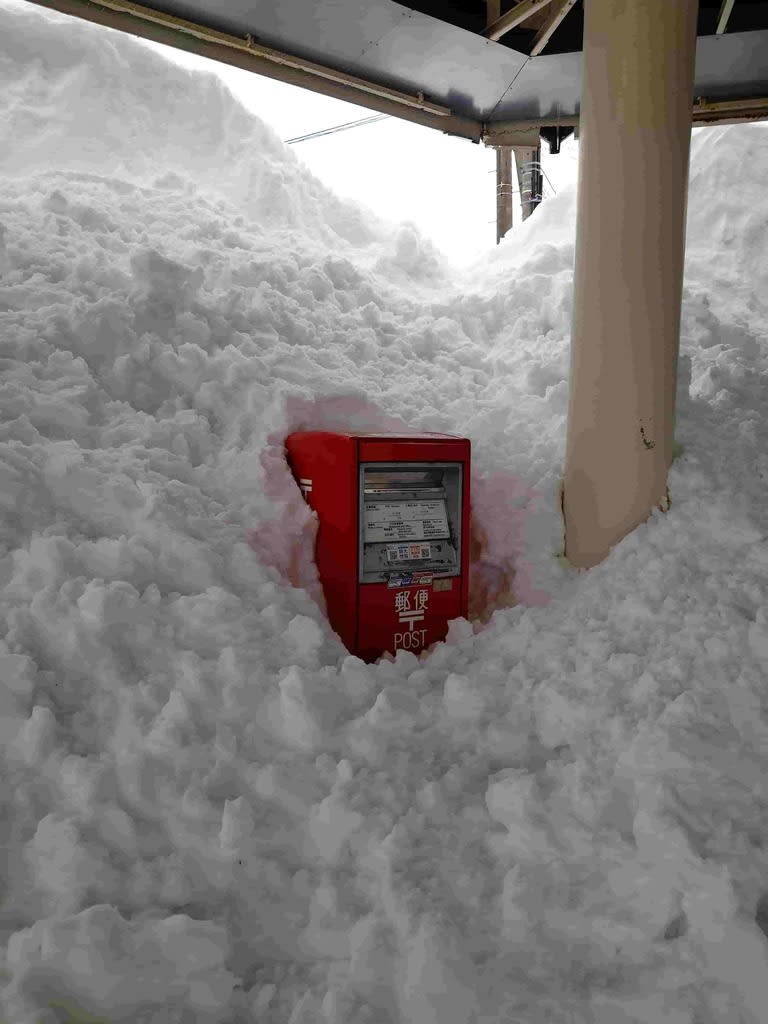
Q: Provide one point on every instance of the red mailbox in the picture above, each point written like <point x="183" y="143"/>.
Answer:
<point x="393" y="538"/>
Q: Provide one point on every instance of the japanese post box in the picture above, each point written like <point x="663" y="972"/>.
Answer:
<point x="392" y="546"/>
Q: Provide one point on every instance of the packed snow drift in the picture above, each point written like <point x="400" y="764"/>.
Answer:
<point x="211" y="813"/>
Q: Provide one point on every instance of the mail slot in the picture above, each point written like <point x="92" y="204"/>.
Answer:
<point x="393" y="533"/>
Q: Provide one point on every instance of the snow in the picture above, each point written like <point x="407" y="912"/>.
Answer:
<point x="211" y="812"/>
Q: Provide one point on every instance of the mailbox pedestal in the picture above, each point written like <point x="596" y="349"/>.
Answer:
<point x="393" y="537"/>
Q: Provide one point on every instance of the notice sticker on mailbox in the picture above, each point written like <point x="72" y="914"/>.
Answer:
<point x="410" y="579"/>
<point x="408" y="552"/>
<point x="405" y="521"/>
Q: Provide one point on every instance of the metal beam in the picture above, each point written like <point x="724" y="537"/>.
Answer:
<point x="555" y="15"/>
<point x="722" y="19"/>
<point x="704" y="112"/>
<point x="516" y="16"/>
<point x="251" y="56"/>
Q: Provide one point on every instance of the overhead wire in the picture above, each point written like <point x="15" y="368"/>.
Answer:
<point x="540" y="167"/>
<point x="336" y="128"/>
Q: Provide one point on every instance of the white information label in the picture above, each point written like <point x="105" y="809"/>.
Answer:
<point x="405" y="521"/>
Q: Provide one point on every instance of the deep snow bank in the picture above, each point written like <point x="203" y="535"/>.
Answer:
<point x="211" y="813"/>
<point x="76" y="97"/>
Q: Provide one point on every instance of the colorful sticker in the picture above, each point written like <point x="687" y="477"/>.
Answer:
<point x="409" y="579"/>
<point x="408" y="552"/>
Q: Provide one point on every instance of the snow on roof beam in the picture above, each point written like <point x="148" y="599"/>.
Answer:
<point x="516" y="16"/>
<point x="554" y="16"/>
<point x="722" y="18"/>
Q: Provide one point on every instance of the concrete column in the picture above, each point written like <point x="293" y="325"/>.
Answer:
<point x="635" y="130"/>
<point x="504" y="191"/>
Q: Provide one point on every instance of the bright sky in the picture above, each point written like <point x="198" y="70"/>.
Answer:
<point x="402" y="171"/>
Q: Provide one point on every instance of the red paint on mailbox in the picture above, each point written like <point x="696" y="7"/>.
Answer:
<point x="393" y="536"/>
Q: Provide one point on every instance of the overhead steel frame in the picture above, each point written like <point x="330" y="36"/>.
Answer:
<point x="243" y="52"/>
<point x="630" y="239"/>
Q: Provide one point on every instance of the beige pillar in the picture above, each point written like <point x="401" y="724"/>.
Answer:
<point x="635" y="129"/>
<point x="504" y="191"/>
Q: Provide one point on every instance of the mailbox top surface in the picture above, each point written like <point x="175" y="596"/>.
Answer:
<point x="377" y="447"/>
<point x="363" y="435"/>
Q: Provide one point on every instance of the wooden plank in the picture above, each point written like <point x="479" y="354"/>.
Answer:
<point x="555" y="14"/>
<point x="516" y="16"/>
<point x="722" y="19"/>
<point x="523" y="133"/>
<point x="536" y="19"/>
<point x="492" y="11"/>
<point x="753" y="103"/>
<point x="737" y="118"/>
<point x="527" y="137"/>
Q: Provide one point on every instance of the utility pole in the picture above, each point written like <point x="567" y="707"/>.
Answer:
<point x="504" y="191"/>
<point x="530" y="178"/>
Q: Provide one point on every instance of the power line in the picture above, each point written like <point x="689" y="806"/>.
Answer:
<point x="536" y="165"/>
<point x="336" y="128"/>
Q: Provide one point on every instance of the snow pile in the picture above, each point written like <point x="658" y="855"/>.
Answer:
<point x="211" y="813"/>
<point x="85" y="99"/>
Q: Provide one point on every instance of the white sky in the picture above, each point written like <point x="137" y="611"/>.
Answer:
<point x="402" y="171"/>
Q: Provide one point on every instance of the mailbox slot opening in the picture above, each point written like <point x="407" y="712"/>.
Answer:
<point x="410" y="519"/>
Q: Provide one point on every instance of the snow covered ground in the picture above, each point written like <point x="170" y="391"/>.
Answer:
<point x="210" y="813"/>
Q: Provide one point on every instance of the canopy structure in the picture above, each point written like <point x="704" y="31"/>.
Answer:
<point x="631" y="76"/>
<point x="482" y="69"/>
